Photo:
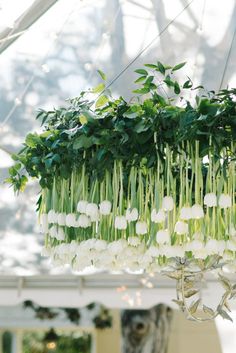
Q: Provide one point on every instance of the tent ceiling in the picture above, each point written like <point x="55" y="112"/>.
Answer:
<point x="22" y="23"/>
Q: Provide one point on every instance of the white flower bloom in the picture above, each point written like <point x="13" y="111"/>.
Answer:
<point x="225" y="201"/>
<point x="81" y="206"/>
<point x="83" y="221"/>
<point x="231" y="245"/>
<point x="53" y="232"/>
<point x="105" y="207"/>
<point x="61" y="219"/>
<point x="92" y="211"/>
<point x="178" y="250"/>
<point x="100" y="245"/>
<point x="131" y="214"/>
<point x="214" y="246"/>
<point x="194" y="245"/>
<point x="210" y="200"/>
<point x="197" y="211"/>
<point x="52" y="216"/>
<point x="181" y="227"/>
<point x="44" y="222"/>
<point x="134" y="241"/>
<point x="153" y="251"/>
<point x="163" y="236"/>
<point x="232" y="231"/>
<point x="186" y="213"/>
<point x="158" y="217"/>
<point x="141" y="228"/>
<point x="71" y="220"/>
<point x="168" y="203"/>
<point x="115" y="247"/>
<point x="200" y="254"/>
<point x="120" y="222"/>
<point x="60" y="234"/>
<point x="46" y="252"/>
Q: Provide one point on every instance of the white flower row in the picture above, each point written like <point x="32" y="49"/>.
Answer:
<point x="133" y="254"/>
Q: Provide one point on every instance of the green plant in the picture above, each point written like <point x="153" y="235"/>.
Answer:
<point x="146" y="184"/>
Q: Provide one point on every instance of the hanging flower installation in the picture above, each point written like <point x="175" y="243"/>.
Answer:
<point x="144" y="185"/>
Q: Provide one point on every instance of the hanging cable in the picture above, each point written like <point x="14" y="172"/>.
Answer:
<point x="147" y="46"/>
<point x="227" y="60"/>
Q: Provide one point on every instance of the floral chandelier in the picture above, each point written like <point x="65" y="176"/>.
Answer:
<point x="143" y="185"/>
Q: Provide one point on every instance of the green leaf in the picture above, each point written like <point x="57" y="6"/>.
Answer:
<point x="140" y="79"/>
<point x="176" y="88"/>
<point x="179" y="66"/>
<point x="83" y="142"/>
<point x="102" y="75"/>
<point x="99" y="88"/>
<point x="101" y="101"/>
<point x="161" y="68"/>
<point x="151" y="66"/>
<point x="143" y="90"/>
<point x="32" y="140"/>
<point x="141" y="72"/>
<point x="188" y="84"/>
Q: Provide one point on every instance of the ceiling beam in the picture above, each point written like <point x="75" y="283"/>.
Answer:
<point x="27" y="19"/>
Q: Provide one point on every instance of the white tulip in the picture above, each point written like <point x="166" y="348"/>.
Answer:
<point x="177" y="250"/>
<point x="212" y="247"/>
<point x="200" y="254"/>
<point x="197" y="211"/>
<point x="131" y="214"/>
<point x="181" y="227"/>
<point x="186" y="213"/>
<point x="83" y="221"/>
<point x="61" y="219"/>
<point x="115" y="247"/>
<point x="100" y="245"/>
<point x="231" y="245"/>
<point x="210" y="200"/>
<point x="105" y="207"/>
<point x="158" y="217"/>
<point x="194" y="245"/>
<point x="53" y="232"/>
<point x="120" y="222"/>
<point x="153" y="251"/>
<point x="60" y="234"/>
<point x="168" y="203"/>
<point x="134" y="241"/>
<point x="232" y="231"/>
<point x="44" y="222"/>
<point x="163" y="236"/>
<point x="92" y="211"/>
<point x="141" y="228"/>
<point x="71" y="220"/>
<point x="81" y="206"/>
<point x="52" y="216"/>
<point x="225" y="201"/>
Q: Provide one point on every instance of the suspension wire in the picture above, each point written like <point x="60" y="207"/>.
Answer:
<point x="227" y="59"/>
<point x="147" y="46"/>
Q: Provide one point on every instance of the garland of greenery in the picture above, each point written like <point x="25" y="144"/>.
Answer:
<point x="139" y="184"/>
